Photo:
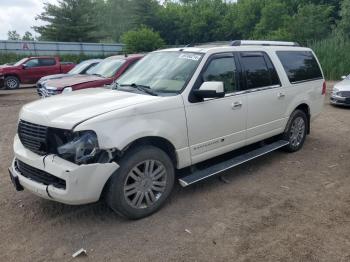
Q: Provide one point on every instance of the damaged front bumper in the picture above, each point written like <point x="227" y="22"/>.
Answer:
<point x="77" y="184"/>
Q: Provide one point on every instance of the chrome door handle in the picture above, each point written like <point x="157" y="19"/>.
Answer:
<point x="281" y="95"/>
<point x="237" y="105"/>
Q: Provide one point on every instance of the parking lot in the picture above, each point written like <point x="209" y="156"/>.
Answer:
<point x="281" y="207"/>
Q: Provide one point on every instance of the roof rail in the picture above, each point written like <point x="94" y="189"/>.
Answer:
<point x="264" y="43"/>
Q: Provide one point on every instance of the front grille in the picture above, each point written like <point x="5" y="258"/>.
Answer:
<point x="38" y="175"/>
<point x="344" y="93"/>
<point x="33" y="136"/>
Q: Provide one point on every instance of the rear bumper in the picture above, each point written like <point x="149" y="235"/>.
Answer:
<point x="84" y="183"/>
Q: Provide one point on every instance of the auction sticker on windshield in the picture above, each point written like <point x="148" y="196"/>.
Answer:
<point x="190" y="57"/>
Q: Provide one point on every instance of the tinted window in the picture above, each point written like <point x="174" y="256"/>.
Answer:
<point x="259" y="70"/>
<point x="222" y="70"/>
<point x="47" y="62"/>
<point x="300" y="65"/>
<point x="32" y="63"/>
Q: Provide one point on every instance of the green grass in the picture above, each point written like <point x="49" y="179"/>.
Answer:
<point x="334" y="56"/>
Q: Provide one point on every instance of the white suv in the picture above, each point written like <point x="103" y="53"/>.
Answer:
<point x="174" y="109"/>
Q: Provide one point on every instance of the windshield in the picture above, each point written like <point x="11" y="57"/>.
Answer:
<point x="107" y="68"/>
<point x="165" y="71"/>
<point x="20" y="61"/>
<point x="79" y="68"/>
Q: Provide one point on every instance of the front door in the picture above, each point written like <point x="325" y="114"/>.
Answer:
<point x="217" y="126"/>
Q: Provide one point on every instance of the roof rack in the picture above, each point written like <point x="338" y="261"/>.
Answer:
<point x="263" y="43"/>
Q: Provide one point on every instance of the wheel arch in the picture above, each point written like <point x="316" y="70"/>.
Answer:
<point x="306" y="109"/>
<point x="159" y="142"/>
<point x="156" y="141"/>
<point x="13" y="74"/>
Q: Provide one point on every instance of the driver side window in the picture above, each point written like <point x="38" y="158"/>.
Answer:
<point x="32" y="63"/>
<point x="222" y="70"/>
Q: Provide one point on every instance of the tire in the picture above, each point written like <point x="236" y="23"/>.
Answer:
<point x="134" y="193"/>
<point x="296" y="131"/>
<point x="11" y="82"/>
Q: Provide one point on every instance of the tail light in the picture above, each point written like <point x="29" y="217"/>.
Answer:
<point x="324" y="88"/>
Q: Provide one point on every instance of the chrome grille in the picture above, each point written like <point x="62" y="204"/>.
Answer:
<point x="344" y="93"/>
<point x="38" y="175"/>
<point x="33" y="136"/>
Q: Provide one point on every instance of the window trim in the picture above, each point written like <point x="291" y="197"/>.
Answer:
<point x="52" y="59"/>
<point x="265" y="56"/>
<point x="227" y="54"/>
<point x="29" y="67"/>
<point x="301" y="81"/>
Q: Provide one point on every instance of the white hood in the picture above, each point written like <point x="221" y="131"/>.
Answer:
<point x="343" y="85"/>
<point x="67" y="110"/>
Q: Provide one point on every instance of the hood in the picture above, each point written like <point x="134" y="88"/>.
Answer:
<point x="343" y="85"/>
<point x="72" y="80"/>
<point x="67" y="110"/>
<point x="7" y="67"/>
<point x="51" y="77"/>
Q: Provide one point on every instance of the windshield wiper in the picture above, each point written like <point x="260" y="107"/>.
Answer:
<point x="98" y="75"/>
<point x="142" y="88"/>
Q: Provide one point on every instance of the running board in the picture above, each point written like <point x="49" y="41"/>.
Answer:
<point x="225" y="165"/>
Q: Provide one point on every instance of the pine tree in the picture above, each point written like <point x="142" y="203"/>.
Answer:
<point x="70" y="20"/>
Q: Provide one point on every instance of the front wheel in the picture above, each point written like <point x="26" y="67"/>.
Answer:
<point x="142" y="183"/>
<point x="11" y="82"/>
<point x="296" y="131"/>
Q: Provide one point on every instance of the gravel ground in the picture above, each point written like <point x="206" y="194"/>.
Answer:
<point x="281" y="207"/>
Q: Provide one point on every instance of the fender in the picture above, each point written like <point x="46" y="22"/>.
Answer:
<point x="164" y="118"/>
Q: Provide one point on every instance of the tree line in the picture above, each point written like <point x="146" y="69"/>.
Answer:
<point x="145" y="25"/>
<point x="195" y="21"/>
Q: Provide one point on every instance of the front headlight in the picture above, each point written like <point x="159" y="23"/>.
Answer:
<point x="67" y="89"/>
<point x="80" y="150"/>
<point x="335" y="91"/>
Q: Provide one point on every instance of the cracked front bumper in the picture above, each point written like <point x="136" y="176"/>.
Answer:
<point x="83" y="183"/>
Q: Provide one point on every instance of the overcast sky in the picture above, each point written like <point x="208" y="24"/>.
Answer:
<point x="19" y="15"/>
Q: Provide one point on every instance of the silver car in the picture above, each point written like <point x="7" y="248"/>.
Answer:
<point x="341" y="92"/>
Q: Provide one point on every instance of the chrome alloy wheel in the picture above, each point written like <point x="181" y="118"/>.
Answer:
<point x="145" y="184"/>
<point x="11" y="83"/>
<point x="297" y="132"/>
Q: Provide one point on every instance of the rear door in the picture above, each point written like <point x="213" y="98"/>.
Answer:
<point x="265" y="96"/>
<point x="48" y="66"/>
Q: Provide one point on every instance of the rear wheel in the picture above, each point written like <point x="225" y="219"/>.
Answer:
<point x="11" y="82"/>
<point x="296" y="131"/>
<point x="142" y="184"/>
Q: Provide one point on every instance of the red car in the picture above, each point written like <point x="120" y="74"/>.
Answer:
<point x="105" y="73"/>
<point x="29" y="70"/>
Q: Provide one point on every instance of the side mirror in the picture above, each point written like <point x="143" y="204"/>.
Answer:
<point x="343" y="77"/>
<point x="24" y="66"/>
<point x="210" y="90"/>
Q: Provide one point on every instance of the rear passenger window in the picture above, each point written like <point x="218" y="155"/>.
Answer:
<point x="300" y="66"/>
<point x="47" y="62"/>
<point x="259" y="70"/>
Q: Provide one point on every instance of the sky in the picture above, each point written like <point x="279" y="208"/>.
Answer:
<point x="20" y="15"/>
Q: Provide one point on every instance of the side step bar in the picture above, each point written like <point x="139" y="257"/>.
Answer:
<point x="225" y="165"/>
